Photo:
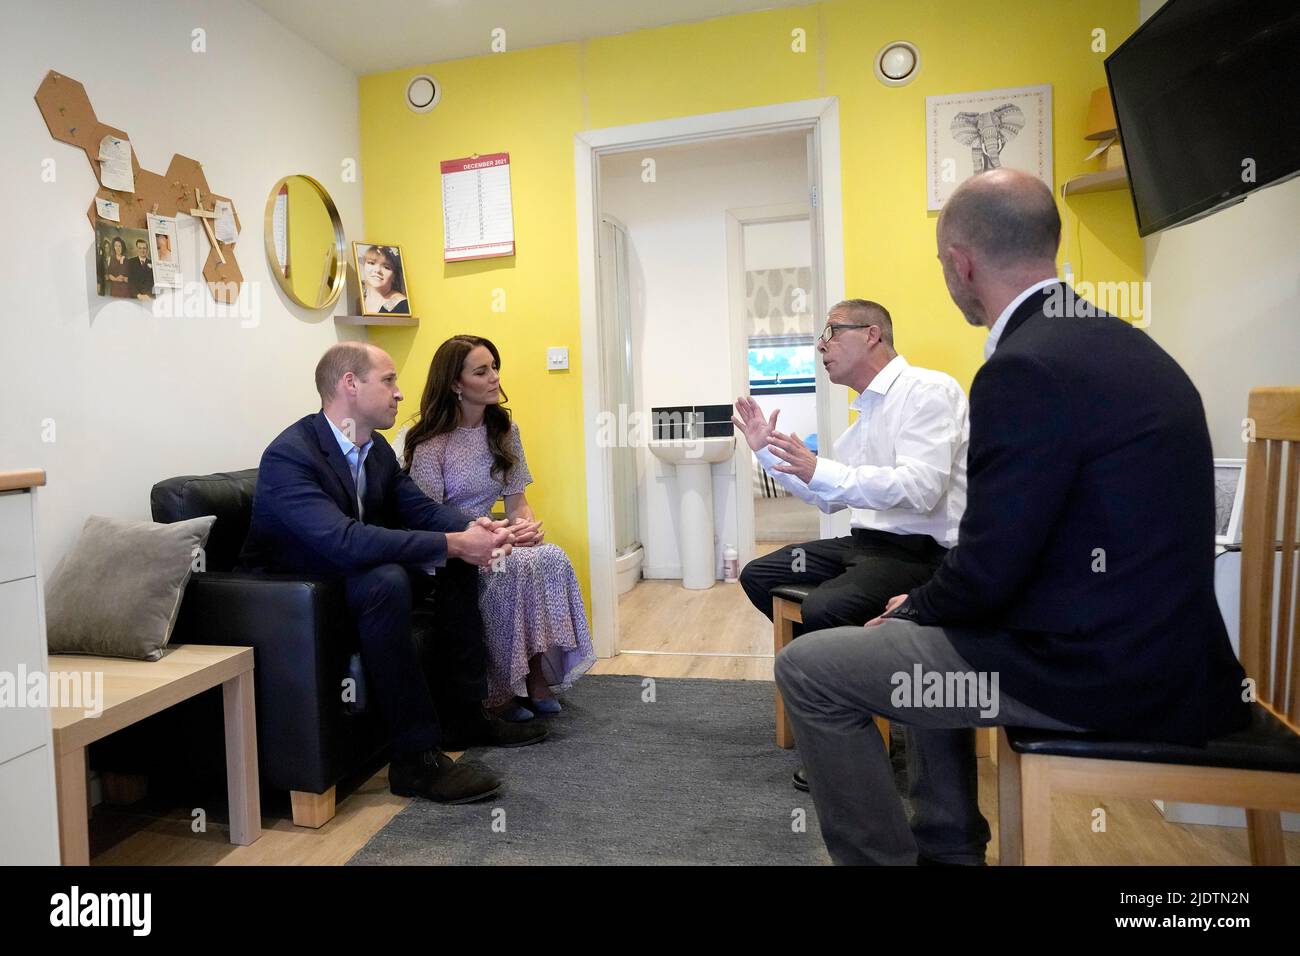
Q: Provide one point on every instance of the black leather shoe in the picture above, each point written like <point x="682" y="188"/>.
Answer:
<point x="800" y="780"/>
<point x="435" y="776"/>
<point x="486" y="730"/>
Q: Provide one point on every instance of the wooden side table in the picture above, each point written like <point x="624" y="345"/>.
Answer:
<point x="134" y="690"/>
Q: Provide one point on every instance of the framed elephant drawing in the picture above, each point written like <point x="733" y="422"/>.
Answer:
<point x="968" y="133"/>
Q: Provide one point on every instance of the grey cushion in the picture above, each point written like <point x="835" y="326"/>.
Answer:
<point x="117" y="592"/>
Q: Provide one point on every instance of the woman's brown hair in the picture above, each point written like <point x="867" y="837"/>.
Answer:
<point x="440" y="409"/>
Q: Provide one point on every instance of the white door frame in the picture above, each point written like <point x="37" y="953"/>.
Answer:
<point x="737" y="220"/>
<point x="821" y="118"/>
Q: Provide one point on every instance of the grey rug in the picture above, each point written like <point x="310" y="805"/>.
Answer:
<point x="694" y="777"/>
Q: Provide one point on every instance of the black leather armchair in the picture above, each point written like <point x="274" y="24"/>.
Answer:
<point x="308" y="736"/>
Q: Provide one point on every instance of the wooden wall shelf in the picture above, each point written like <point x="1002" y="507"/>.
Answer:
<point x="1096" y="182"/>
<point x="409" y="321"/>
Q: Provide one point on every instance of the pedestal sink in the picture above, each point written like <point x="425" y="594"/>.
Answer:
<point x="692" y="457"/>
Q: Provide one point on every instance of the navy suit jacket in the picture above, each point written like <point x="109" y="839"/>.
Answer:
<point x="1084" y="566"/>
<point x="305" y="514"/>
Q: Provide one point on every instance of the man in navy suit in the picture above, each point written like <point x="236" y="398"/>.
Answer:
<point x="331" y="500"/>
<point x="1080" y="594"/>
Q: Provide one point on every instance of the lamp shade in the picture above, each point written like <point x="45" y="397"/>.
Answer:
<point x="1101" y="115"/>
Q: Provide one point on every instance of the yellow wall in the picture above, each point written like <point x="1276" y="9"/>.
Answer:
<point x="532" y="102"/>
<point x="311" y="240"/>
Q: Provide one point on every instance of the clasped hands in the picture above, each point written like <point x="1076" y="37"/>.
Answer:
<point x="761" y="432"/>
<point x="484" y="540"/>
<point x="528" y="534"/>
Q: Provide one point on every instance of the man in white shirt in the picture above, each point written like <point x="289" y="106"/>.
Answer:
<point x="900" y="468"/>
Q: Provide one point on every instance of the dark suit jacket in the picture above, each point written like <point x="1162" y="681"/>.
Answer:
<point x="1083" y="571"/>
<point x="140" y="275"/>
<point x="305" y="513"/>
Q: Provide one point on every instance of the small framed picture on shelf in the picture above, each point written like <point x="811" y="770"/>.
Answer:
<point x="1229" y="497"/>
<point x="382" y="277"/>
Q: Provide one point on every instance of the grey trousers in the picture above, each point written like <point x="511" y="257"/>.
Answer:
<point x="835" y="680"/>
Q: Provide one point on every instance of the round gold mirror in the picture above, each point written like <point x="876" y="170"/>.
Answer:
<point x="304" y="242"/>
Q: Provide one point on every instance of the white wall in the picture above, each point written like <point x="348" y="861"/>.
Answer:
<point x="784" y="245"/>
<point x="1225" y="300"/>
<point x="134" y="398"/>
<point x="681" y="334"/>
<point x="778" y="245"/>
<point x="798" y="413"/>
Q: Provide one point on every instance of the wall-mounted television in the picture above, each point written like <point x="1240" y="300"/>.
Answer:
<point x="1207" y="98"/>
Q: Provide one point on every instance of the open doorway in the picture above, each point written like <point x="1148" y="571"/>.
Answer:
<point x="689" y="340"/>
<point x="770" y="261"/>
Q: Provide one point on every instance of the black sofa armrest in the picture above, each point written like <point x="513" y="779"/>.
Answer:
<point x="302" y="636"/>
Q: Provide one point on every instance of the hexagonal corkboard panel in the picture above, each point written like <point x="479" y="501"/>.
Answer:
<point x="71" y="119"/>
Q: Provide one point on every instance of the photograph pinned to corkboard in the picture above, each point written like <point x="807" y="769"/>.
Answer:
<point x="71" y="119"/>
<point x="123" y="266"/>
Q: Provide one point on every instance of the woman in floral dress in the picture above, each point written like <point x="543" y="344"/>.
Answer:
<point x="465" y="451"/>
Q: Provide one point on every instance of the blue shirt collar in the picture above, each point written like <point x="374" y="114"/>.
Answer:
<point x="347" y="445"/>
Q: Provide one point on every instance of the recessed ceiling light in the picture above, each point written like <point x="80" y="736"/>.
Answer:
<point x="422" y="93"/>
<point x="897" y="63"/>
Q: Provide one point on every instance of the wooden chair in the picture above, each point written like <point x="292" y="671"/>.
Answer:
<point x="787" y="611"/>
<point x="1257" y="768"/>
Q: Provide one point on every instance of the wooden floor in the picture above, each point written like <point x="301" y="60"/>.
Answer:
<point x="786" y="517"/>
<point x="145" y="835"/>
<point x="713" y="633"/>
<point x="664" y="617"/>
<point x="662" y="627"/>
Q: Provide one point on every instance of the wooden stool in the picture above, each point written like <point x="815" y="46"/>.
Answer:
<point x="787" y="611"/>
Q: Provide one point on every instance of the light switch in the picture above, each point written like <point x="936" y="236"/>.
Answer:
<point x="557" y="358"/>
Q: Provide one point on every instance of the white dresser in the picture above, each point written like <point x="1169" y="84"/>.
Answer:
<point x="28" y="809"/>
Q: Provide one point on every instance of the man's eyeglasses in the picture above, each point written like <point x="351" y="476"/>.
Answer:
<point x="828" y="333"/>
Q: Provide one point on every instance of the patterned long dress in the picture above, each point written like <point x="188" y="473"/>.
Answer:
<point x="533" y="605"/>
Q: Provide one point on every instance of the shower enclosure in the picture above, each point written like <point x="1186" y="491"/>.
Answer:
<point x="616" y="374"/>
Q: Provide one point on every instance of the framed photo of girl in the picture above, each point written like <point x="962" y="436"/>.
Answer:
<point x="382" y="278"/>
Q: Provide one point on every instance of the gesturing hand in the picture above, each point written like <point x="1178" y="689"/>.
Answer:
<point x="749" y="419"/>
<point x="798" y="457"/>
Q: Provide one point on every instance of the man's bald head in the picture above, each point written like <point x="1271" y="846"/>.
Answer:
<point x="1005" y="217"/>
